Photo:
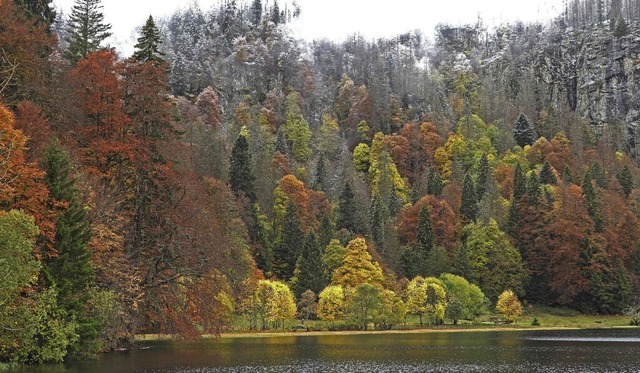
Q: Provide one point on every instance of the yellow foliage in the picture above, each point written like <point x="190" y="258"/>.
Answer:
<point x="331" y="303"/>
<point x="357" y="267"/>
<point x="509" y="305"/>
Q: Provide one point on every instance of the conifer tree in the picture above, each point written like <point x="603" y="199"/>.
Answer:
<point x="71" y="270"/>
<point x="483" y="174"/>
<point x="434" y="182"/>
<point x="148" y="42"/>
<point x="40" y="9"/>
<point x="533" y="189"/>
<point x="320" y="171"/>
<point x="523" y="131"/>
<point x="469" y="203"/>
<point x="513" y="219"/>
<point x="519" y="183"/>
<point x="626" y="180"/>
<point x="256" y="12"/>
<point x="593" y="206"/>
<point x="347" y="209"/>
<point x="286" y="251"/>
<point x="378" y="214"/>
<point x="424" y="238"/>
<point x="240" y="175"/>
<point x="311" y="276"/>
<point x="461" y="264"/>
<point x="87" y="29"/>
<point x="546" y="174"/>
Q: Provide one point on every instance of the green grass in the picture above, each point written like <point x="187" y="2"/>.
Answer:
<point x="548" y="318"/>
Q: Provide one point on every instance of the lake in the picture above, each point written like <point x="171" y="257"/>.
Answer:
<point x="604" y="350"/>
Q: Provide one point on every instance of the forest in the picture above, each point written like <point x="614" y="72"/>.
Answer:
<point x="229" y="170"/>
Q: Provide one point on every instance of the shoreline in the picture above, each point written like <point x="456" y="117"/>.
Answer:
<point x="269" y="334"/>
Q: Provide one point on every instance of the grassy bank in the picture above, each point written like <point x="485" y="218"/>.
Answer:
<point x="547" y="319"/>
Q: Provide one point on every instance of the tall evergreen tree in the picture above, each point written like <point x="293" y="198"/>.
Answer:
<point x="240" y="175"/>
<point x="546" y="174"/>
<point x="519" y="183"/>
<point x="256" y="12"/>
<point x="40" y="9"/>
<point x="424" y="239"/>
<point x="593" y="206"/>
<point x="469" y="203"/>
<point x="483" y="174"/>
<point x="347" y="209"/>
<point x="320" y="171"/>
<point x="148" y="42"/>
<point x="434" y="182"/>
<point x="626" y="180"/>
<point x="523" y="131"/>
<point x="533" y="189"/>
<point x="378" y="214"/>
<point x="86" y="29"/>
<point x="71" y="270"/>
<point x="286" y="251"/>
<point x="461" y="265"/>
<point x="311" y="275"/>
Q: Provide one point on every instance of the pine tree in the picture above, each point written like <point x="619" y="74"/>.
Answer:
<point x="275" y="13"/>
<point x="71" y="270"/>
<point x="483" y="174"/>
<point x="434" y="183"/>
<point x="626" y="180"/>
<point x="546" y="174"/>
<point x="148" y="42"/>
<point x="320" y="171"/>
<point x="533" y="189"/>
<point x="240" y="175"/>
<point x="347" y="209"/>
<point x="286" y="251"/>
<point x="469" y="203"/>
<point x="462" y="266"/>
<point x="311" y="276"/>
<point x="519" y="183"/>
<point x="256" y="13"/>
<point x="378" y="215"/>
<point x="87" y="29"/>
<point x="40" y="9"/>
<point x="593" y="206"/>
<point x="523" y="131"/>
<point x="424" y="238"/>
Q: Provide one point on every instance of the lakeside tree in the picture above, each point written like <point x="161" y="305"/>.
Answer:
<point x="509" y="306"/>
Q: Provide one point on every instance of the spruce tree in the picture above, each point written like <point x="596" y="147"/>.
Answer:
<point x="483" y="174"/>
<point x="533" y="189"/>
<point x="378" y="214"/>
<point x="469" y="203"/>
<point x="424" y="239"/>
<point x="513" y="219"/>
<point x="148" y="42"/>
<point x="286" y="251"/>
<point x="347" y="209"/>
<point x="41" y="10"/>
<point x="320" y="171"/>
<point x="519" y="183"/>
<point x="626" y="180"/>
<point x="256" y="13"/>
<point x="593" y="206"/>
<point x="434" y="182"/>
<point x="86" y="29"/>
<point x="523" y="131"/>
<point x="546" y="174"/>
<point x="70" y="272"/>
<point x="240" y="175"/>
<point x="462" y="265"/>
<point x="311" y="276"/>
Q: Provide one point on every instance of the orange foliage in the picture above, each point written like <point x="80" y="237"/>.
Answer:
<point x="446" y="225"/>
<point x="421" y="144"/>
<point x="310" y="204"/>
<point x="21" y="184"/>
<point x="35" y="126"/>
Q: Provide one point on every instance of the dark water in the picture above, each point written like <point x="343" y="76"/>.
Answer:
<point x="504" y="351"/>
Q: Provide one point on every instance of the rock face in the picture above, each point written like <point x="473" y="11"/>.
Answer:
<point x="591" y="70"/>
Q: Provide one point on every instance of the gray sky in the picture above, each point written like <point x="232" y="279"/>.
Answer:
<point x="336" y="19"/>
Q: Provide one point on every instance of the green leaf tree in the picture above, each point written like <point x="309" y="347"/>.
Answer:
<point x="509" y="306"/>
<point x="465" y="300"/>
<point x="331" y="303"/>
<point x="86" y="29"/>
<point x="357" y="267"/>
<point x="296" y="129"/>
<point x="365" y="305"/>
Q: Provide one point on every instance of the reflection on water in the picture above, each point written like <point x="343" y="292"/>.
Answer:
<point x="530" y="351"/>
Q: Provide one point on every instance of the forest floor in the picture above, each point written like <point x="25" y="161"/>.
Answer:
<point x="547" y="319"/>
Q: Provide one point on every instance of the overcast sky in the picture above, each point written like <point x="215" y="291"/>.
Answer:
<point x="336" y="19"/>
